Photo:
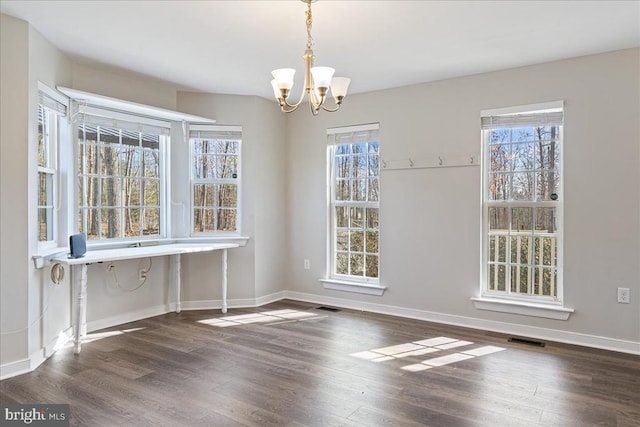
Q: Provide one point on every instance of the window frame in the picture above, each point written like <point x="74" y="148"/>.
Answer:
<point x="345" y="282"/>
<point x="193" y="181"/>
<point x="53" y="108"/>
<point x="123" y="120"/>
<point x="486" y="204"/>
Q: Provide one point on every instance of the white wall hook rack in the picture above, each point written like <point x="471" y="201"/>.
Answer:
<point x="432" y="162"/>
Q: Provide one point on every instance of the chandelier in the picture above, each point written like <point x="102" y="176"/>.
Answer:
<point x="317" y="80"/>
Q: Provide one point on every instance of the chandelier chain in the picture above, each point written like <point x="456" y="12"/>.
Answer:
<point x="309" y="24"/>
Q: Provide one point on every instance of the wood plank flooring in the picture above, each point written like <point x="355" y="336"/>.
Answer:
<point x="292" y="364"/>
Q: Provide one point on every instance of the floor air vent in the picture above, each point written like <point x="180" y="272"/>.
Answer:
<point x="328" y="309"/>
<point x="527" y="342"/>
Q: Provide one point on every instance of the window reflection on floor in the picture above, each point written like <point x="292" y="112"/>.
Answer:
<point x="427" y="346"/>
<point x="274" y="316"/>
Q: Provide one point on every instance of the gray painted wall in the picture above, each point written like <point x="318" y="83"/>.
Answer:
<point x="430" y="224"/>
<point x="430" y="239"/>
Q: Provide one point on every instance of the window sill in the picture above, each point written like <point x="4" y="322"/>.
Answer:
<point x="356" y="287"/>
<point x="522" y="307"/>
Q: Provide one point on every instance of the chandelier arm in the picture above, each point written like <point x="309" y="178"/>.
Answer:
<point x="331" y="110"/>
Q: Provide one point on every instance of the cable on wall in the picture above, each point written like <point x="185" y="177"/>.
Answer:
<point x="57" y="273"/>
<point x="143" y="276"/>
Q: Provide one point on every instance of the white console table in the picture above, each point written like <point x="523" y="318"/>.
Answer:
<point x="174" y="250"/>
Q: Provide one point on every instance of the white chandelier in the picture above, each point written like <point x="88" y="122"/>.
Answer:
<point x="317" y="80"/>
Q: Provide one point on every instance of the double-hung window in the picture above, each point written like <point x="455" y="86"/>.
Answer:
<point x="215" y="179"/>
<point x="51" y="112"/>
<point x="121" y="164"/>
<point x="354" y="203"/>
<point x="522" y="202"/>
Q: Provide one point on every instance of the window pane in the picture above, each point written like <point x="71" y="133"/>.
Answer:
<point x="132" y="222"/>
<point x="227" y="195"/>
<point x="522" y="155"/>
<point x="522" y="186"/>
<point x="110" y="188"/>
<point x="499" y="158"/>
<point x="547" y="183"/>
<point x="130" y="161"/>
<point x="342" y="263"/>
<point x="203" y="220"/>
<point x="359" y="167"/>
<point x="151" y="222"/>
<point x="343" y="169"/>
<point x="227" y="219"/>
<point x="359" y="148"/>
<point x="522" y="219"/>
<point x="342" y="240"/>
<point x="359" y="190"/>
<point x="372" y="266"/>
<point x="497" y="277"/>
<point x="356" y="217"/>
<point x="110" y="223"/>
<point x="372" y="193"/>
<point x="342" y="219"/>
<point x="544" y="281"/>
<point x="372" y="242"/>
<point x="498" y="219"/>
<point x="520" y="279"/>
<point x="131" y="194"/>
<point x="372" y="218"/>
<point x="343" y="190"/>
<point x="109" y="160"/>
<point x="90" y="218"/>
<point x="546" y="219"/>
<point x="151" y="193"/>
<point x="499" y="186"/>
<point x="151" y="163"/>
<point x="374" y="165"/>
<point x="356" y="264"/>
<point x="203" y="195"/>
<point x="356" y="241"/>
<point x="227" y="166"/>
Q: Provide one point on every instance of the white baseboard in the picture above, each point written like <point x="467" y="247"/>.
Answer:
<point x="16" y="368"/>
<point x="566" y="337"/>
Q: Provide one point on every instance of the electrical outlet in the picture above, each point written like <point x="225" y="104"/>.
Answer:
<point x="307" y="264"/>
<point x="623" y="296"/>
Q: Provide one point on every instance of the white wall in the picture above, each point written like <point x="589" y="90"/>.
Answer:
<point x="430" y="226"/>
<point x="14" y="247"/>
<point x="255" y="270"/>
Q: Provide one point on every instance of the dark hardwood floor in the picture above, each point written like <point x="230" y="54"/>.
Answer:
<point x="304" y="366"/>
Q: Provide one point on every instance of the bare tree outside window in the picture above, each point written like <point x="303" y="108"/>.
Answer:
<point x="215" y="181"/>
<point x="355" y="205"/>
<point x="521" y="209"/>
<point x="119" y="183"/>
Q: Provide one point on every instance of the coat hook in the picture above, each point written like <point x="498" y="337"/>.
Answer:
<point x="471" y="159"/>
<point x="410" y="162"/>
<point x="384" y="164"/>
<point x="440" y="160"/>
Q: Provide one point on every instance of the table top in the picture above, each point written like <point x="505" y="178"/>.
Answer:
<point x="101" y="255"/>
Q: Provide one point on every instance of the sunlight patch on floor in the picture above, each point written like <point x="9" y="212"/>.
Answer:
<point x="261" y="317"/>
<point x="426" y="346"/>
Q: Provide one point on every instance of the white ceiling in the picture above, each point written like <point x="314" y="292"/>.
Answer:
<point x="232" y="46"/>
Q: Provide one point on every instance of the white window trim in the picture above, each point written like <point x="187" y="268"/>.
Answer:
<point x="55" y="168"/>
<point x="529" y="305"/>
<point x="364" y="285"/>
<point x="238" y="182"/>
<point x="67" y="152"/>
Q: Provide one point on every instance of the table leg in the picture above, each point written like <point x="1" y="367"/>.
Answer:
<point x="176" y="278"/>
<point x="80" y="291"/>
<point x="224" y="280"/>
